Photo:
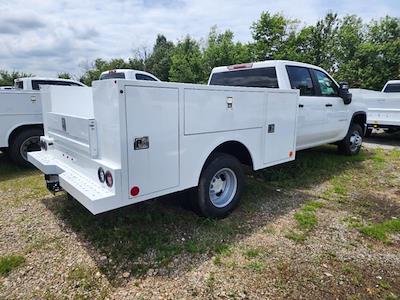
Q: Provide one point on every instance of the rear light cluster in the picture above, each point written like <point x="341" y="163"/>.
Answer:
<point x="105" y="177"/>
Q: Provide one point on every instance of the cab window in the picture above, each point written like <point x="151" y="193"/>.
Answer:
<point x="37" y="83"/>
<point x="144" y="77"/>
<point x="300" y="79"/>
<point x="327" y="86"/>
<point x="112" y="75"/>
<point x="392" y="88"/>
<point x="257" y="77"/>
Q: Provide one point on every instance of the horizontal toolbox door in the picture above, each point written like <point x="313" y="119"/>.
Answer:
<point x="74" y="133"/>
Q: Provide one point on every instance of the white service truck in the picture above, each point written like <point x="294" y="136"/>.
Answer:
<point x="125" y="141"/>
<point x="21" y="116"/>
<point x="383" y="107"/>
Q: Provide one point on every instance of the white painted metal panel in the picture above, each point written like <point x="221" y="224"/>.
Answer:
<point x="215" y="110"/>
<point x="153" y="112"/>
<point x="383" y="108"/>
<point x="280" y="129"/>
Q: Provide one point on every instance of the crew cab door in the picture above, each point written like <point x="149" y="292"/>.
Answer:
<point x="311" y="125"/>
<point x="335" y="110"/>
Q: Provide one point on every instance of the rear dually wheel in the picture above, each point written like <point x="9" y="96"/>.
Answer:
<point x="220" y="187"/>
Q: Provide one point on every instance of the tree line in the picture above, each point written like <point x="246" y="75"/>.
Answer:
<point x="364" y="54"/>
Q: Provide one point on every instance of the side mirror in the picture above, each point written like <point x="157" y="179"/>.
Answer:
<point x="344" y="92"/>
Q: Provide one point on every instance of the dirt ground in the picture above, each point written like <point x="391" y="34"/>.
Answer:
<point x="323" y="227"/>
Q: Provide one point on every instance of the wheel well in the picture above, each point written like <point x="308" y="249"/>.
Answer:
<point x="20" y="129"/>
<point x="235" y="149"/>
<point x="360" y="119"/>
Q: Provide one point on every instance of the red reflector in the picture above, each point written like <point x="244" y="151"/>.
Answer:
<point x="240" y="66"/>
<point x="135" y="191"/>
<point x="109" y="179"/>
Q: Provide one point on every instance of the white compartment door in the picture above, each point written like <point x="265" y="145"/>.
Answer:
<point x="152" y="113"/>
<point x="280" y="130"/>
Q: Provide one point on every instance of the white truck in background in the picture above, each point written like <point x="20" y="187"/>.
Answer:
<point x="129" y="74"/>
<point x="392" y="86"/>
<point x="383" y="107"/>
<point x="131" y="141"/>
<point x="21" y="116"/>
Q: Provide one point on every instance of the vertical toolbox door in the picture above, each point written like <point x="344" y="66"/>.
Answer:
<point x="280" y="141"/>
<point x="153" y="139"/>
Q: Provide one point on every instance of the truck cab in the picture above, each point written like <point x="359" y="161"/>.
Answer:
<point x="326" y="112"/>
<point x="129" y="74"/>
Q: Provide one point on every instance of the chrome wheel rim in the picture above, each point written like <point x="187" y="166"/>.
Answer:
<point x="29" y="145"/>
<point x="355" y="141"/>
<point x="223" y="187"/>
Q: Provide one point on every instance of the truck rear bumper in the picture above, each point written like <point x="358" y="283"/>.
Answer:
<point x="89" y="193"/>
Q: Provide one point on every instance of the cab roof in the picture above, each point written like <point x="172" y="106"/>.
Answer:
<point x="47" y="78"/>
<point x="263" y="64"/>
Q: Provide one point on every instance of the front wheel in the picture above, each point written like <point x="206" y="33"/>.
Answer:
<point x="351" y="144"/>
<point x="220" y="186"/>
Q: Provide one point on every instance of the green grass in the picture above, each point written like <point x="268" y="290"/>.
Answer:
<point x="297" y="237"/>
<point x="165" y="230"/>
<point x="380" y="231"/>
<point x="84" y="276"/>
<point x="251" y="253"/>
<point x="313" y="166"/>
<point x="9" y="263"/>
<point x="256" y="265"/>
<point x="306" y="217"/>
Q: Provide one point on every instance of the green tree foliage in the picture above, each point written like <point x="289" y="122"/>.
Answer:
<point x="100" y="65"/>
<point x="221" y="50"/>
<point x="187" y="62"/>
<point x="160" y="60"/>
<point x="271" y="34"/>
<point x="64" y="75"/>
<point x="7" y="78"/>
<point x="365" y="54"/>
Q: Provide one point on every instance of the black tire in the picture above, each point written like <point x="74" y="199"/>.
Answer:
<point x="347" y="146"/>
<point x="368" y="133"/>
<point x="24" y="141"/>
<point x="203" y="203"/>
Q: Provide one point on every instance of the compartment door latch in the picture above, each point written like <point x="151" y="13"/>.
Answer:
<point x="271" y="128"/>
<point x="141" y="143"/>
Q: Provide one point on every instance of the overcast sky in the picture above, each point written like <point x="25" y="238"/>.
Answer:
<point x="46" y="37"/>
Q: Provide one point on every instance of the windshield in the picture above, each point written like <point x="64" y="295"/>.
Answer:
<point x="392" y="88"/>
<point x="112" y="75"/>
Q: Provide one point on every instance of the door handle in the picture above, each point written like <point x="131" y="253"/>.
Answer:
<point x="328" y="105"/>
<point x="301" y="105"/>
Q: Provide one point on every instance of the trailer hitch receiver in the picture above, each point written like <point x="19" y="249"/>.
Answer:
<point x="53" y="183"/>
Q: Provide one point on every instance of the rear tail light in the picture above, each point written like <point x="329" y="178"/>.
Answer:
<point x="109" y="179"/>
